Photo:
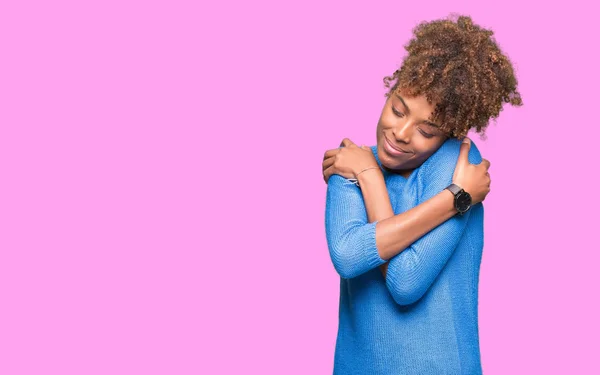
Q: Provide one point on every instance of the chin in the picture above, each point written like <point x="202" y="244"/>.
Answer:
<point x="393" y="162"/>
<point x="389" y="161"/>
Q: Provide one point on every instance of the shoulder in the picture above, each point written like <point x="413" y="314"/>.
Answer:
<point x="447" y="155"/>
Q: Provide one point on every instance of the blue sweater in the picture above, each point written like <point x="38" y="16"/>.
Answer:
<point x="422" y="318"/>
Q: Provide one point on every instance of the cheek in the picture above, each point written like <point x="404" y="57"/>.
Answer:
<point x="386" y="120"/>
<point x="424" y="153"/>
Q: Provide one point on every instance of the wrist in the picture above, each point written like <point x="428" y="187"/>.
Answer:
<point x="366" y="175"/>
<point x="450" y="199"/>
<point x="364" y="170"/>
<point x="462" y="199"/>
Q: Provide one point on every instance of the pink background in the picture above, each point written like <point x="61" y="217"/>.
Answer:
<point x="162" y="205"/>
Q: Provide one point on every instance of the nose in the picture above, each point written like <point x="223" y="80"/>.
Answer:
<point x="403" y="132"/>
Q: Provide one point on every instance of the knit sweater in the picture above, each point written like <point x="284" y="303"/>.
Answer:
<point x="422" y="318"/>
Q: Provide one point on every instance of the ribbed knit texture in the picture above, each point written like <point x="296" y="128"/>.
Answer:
<point x="421" y="319"/>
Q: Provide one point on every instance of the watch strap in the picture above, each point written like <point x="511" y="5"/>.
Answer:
<point x="454" y="188"/>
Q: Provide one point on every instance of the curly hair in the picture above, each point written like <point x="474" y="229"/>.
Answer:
<point x="459" y="66"/>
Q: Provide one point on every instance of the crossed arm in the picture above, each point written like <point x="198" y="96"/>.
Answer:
<point x="395" y="233"/>
<point x="363" y="232"/>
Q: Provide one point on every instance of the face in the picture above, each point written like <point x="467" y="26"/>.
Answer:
<point x="404" y="123"/>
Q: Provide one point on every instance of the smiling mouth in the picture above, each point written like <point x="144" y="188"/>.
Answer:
<point x="394" y="146"/>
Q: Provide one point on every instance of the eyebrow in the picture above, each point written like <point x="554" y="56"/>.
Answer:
<point x="408" y="111"/>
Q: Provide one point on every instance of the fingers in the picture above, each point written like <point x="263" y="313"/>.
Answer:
<point x="463" y="156"/>
<point x="486" y="163"/>
<point x="327" y="163"/>
<point x="328" y="167"/>
<point x="327" y="173"/>
<point x="330" y="153"/>
<point x="346" y="142"/>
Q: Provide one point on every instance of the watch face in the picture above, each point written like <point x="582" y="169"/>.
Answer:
<point x="463" y="201"/>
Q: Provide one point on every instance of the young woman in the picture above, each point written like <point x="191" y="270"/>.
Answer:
<point x="404" y="218"/>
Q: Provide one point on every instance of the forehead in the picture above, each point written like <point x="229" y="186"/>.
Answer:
<point x="417" y="105"/>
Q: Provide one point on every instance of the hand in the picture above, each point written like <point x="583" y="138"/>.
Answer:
<point x="348" y="160"/>
<point x="473" y="178"/>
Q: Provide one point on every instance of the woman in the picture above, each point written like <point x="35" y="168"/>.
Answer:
<point x="404" y="218"/>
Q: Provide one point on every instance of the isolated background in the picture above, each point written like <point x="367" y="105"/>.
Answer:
<point x="162" y="202"/>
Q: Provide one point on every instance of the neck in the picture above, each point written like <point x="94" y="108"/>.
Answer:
<point x="404" y="172"/>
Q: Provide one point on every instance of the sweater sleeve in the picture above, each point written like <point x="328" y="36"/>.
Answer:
<point x="350" y="237"/>
<point x="412" y="271"/>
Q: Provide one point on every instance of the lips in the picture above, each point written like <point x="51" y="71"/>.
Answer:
<point x="394" y="146"/>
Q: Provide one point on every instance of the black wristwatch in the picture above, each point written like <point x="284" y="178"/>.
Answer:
<point x="462" y="199"/>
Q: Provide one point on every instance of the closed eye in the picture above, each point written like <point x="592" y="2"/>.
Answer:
<point x="397" y="113"/>
<point x="400" y="114"/>
<point x="426" y="135"/>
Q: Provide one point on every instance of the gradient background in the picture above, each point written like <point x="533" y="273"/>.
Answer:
<point x="162" y="200"/>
